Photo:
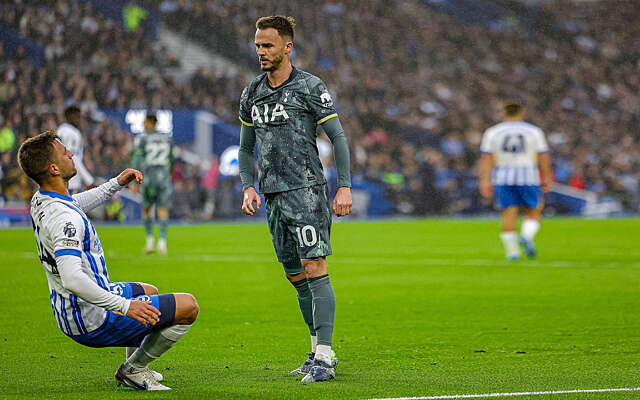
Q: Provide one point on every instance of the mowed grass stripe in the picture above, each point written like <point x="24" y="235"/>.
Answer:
<point x="424" y="308"/>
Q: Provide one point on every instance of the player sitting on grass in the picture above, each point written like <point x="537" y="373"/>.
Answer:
<point x="86" y="305"/>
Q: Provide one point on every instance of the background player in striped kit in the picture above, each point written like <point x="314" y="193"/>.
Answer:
<point x="86" y="305"/>
<point x="69" y="134"/>
<point x="515" y="165"/>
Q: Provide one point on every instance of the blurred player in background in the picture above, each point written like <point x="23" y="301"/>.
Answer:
<point x="281" y="110"/>
<point x="86" y="305"/>
<point x="69" y="134"/>
<point x="515" y="167"/>
<point x="153" y="155"/>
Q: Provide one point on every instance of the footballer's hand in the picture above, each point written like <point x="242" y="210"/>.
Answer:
<point x="143" y="312"/>
<point x="486" y="189"/>
<point x="342" y="204"/>
<point x="250" y="195"/>
<point x="129" y="175"/>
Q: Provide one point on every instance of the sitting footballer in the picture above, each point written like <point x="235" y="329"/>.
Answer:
<point x="86" y="306"/>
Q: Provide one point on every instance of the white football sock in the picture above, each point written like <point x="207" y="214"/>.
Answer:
<point x="154" y="345"/>
<point x="130" y="351"/>
<point x="314" y="343"/>
<point x="510" y="242"/>
<point x="529" y="228"/>
<point x="323" y="353"/>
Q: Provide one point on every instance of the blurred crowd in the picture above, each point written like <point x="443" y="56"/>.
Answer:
<point x="415" y="87"/>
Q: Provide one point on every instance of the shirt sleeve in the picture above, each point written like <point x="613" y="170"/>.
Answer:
<point x="90" y="199"/>
<point x="334" y="131"/>
<point x="542" y="142"/>
<point x="67" y="232"/>
<point x="485" y="145"/>
<point x="320" y="102"/>
<point x="245" y="156"/>
<point x="76" y="281"/>
<point x="245" y="109"/>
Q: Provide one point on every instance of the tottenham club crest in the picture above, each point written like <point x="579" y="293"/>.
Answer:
<point x="69" y="229"/>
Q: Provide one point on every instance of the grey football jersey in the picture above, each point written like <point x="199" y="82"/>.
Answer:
<point x="285" y="120"/>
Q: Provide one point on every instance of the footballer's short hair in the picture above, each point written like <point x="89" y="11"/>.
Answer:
<point x="70" y="111"/>
<point x="36" y="154"/>
<point x="512" y="108"/>
<point x="284" y="25"/>
<point x="151" y="117"/>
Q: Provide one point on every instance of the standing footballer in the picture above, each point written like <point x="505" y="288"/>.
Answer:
<point x="281" y="110"/>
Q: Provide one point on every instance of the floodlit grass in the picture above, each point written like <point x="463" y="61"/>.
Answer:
<point x="427" y="307"/>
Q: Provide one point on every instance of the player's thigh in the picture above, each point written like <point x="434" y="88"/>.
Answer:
<point x="505" y="197"/>
<point x="163" y="198"/>
<point x="530" y="197"/>
<point x="284" y="241"/>
<point x="129" y="290"/>
<point x="118" y="330"/>
<point x="149" y="195"/>
<point x="308" y="216"/>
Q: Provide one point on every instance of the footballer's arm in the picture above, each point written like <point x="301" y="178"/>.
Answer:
<point x="90" y="199"/>
<point x="342" y="203"/>
<point x="486" y="165"/>
<point x="247" y="168"/>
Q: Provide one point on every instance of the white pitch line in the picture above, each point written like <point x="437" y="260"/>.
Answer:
<point x="478" y="396"/>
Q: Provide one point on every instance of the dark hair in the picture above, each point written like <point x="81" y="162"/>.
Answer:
<point x="284" y="25"/>
<point x="151" y="117"/>
<point x="36" y="154"/>
<point x="71" y="111"/>
<point x="512" y="108"/>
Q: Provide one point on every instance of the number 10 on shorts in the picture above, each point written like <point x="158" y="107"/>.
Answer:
<point x="307" y="235"/>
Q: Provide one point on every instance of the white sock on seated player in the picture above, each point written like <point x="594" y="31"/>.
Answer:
<point x="154" y="345"/>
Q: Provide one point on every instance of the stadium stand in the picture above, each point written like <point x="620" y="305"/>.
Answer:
<point x="416" y="82"/>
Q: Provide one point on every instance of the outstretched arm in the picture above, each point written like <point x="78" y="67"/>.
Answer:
<point x="92" y="198"/>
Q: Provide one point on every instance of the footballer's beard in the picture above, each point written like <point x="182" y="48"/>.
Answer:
<point x="67" y="177"/>
<point x="275" y="63"/>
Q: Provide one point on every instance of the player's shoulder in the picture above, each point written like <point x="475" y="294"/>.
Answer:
<point x="250" y="90"/>
<point x="308" y="81"/>
<point x="66" y="128"/>
<point x="52" y="209"/>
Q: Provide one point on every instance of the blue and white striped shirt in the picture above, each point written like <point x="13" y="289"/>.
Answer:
<point x="63" y="229"/>
<point x="515" y="147"/>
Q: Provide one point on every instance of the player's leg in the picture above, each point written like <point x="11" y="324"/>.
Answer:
<point x="178" y="312"/>
<point x="163" y="204"/>
<point x="285" y="245"/>
<point x="149" y="290"/>
<point x="507" y="203"/>
<point x="163" y="221"/>
<point x="532" y="198"/>
<point x="148" y="200"/>
<point x="508" y="235"/>
<point x="312" y="229"/>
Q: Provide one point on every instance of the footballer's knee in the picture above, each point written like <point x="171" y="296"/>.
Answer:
<point x="315" y="268"/>
<point x="149" y="290"/>
<point x="296" y="277"/>
<point x="187" y="309"/>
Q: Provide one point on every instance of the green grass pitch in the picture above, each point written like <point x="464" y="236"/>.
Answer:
<point x="424" y="308"/>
